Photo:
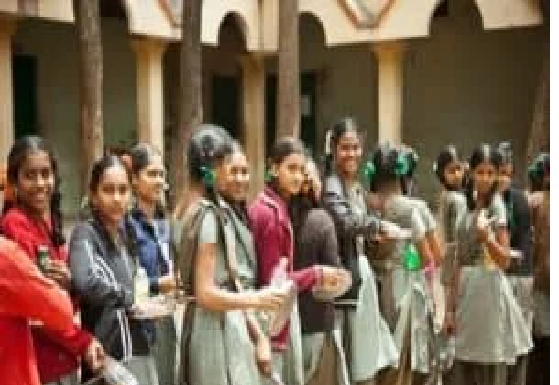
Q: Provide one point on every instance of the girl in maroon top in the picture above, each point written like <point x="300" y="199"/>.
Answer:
<point x="32" y="219"/>
<point x="273" y="237"/>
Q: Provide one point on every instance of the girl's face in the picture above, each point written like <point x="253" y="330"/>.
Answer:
<point x="149" y="183"/>
<point x="35" y="182"/>
<point x="232" y="177"/>
<point x="348" y="154"/>
<point x="505" y="177"/>
<point x="112" y="195"/>
<point x="289" y="174"/>
<point x="485" y="177"/>
<point x="311" y="182"/>
<point x="454" y="174"/>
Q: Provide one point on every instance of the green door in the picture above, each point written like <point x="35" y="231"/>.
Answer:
<point x="308" y="110"/>
<point x="26" y="120"/>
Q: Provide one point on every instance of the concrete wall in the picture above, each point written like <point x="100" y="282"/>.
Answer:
<point x="58" y="91"/>
<point x="347" y="82"/>
<point x="464" y="85"/>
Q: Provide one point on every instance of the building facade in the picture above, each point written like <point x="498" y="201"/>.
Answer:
<point x="426" y="72"/>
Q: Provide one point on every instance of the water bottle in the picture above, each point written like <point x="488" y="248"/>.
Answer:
<point x="412" y="260"/>
<point x="141" y="286"/>
<point x="43" y="258"/>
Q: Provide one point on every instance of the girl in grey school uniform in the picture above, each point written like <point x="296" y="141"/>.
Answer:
<point x="368" y="343"/>
<point x="222" y="344"/>
<point x="489" y="326"/>
<point x="405" y="275"/>
<point x="521" y="271"/>
<point x="450" y="172"/>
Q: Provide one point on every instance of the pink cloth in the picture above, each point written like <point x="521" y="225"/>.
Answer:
<point x="273" y="238"/>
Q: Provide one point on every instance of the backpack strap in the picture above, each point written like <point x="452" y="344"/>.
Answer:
<point x="229" y="241"/>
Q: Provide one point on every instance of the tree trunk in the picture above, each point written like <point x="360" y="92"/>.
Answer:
<point x="191" y="112"/>
<point x="289" y="92"/>
<point x="539" y="137"/>
<point x="88" y="25"/>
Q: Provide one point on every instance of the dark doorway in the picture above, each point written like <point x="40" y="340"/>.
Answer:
<point x="308" y="110"/>
<point x="24" y="68"/>
<point x="225" y="103"/>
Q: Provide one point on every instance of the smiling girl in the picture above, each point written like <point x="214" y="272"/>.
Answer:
<point x="490" y="330"/>
<point x="369" y="345"/>
<point x="32" y="218"/>
<point x="274" y="238"/>
<point x="104" y="264"/>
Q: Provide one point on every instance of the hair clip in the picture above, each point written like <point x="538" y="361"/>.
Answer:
<point x="370" y="170"/>
<point x="402" y="167"/>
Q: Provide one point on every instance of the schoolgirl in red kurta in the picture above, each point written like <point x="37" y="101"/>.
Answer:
<point x="273" y="237"/>
<point x="26" y="294"/>
<point x="31" y="219"/>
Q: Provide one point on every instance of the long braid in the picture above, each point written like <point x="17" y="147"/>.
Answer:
<point x="57" y="236"/>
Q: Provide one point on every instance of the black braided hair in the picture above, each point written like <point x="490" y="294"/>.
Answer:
<point x="387" y="163"/>
<point x="537" y="171"/>
<point x="408" y="181"/>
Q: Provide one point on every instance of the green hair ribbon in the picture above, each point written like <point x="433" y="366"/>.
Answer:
<point x="402" y="166"/>
<point x="208" y="176"/>
<point x="370" y="170"/>
<point x="268" y="176"/>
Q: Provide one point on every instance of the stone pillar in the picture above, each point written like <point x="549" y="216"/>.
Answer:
<point x="254" y="118"/>
<point x="390" y="59"/>
<point x="149" y="90"/>
<point x="7" y="30"/>
<point x="289" y="75"/>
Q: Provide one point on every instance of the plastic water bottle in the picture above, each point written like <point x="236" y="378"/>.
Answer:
<point x="141" y="286"/>
<point x="412" y="260"/>
<point x="43" y="258"/>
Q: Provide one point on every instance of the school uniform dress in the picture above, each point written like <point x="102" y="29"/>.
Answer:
<point x="406" y="296"/>
<point x="153" y="240"/>
<point x="220" y="350"/>
<point x="521" y="271"/>
<point x="369" y="345"/>
<point x="490" y="329"/>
